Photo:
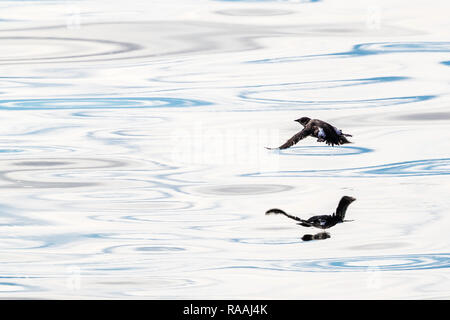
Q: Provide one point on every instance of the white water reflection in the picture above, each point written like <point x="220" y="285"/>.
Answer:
<point x="132" y="159"/>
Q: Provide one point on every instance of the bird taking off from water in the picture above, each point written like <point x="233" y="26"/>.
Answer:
<point x="324" y="221"/>
<point x="322" y="130"/>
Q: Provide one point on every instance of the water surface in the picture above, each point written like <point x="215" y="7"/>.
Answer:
<point x="132" y="159"/>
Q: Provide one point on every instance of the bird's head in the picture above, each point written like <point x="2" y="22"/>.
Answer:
<point x="303" y="120"/>
<point x="348" y="199"/>
<point x="342" y="207"/>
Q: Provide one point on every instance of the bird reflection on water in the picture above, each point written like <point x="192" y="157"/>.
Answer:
<point x="320" y="221"/>
<point x="317" y="236"/>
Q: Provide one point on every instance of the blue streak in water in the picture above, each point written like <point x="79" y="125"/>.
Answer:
<point x="99" y="103"/>
<point x="324" y="105"/>
<point x="327" y="84"/>
<point x="337" y="104"/>
<point x="406" y="262"/>
<point x="328" y="152"/>
<point x="366" y="49"/>
<point x="429" y="167"/>
<point x="10" y="150"/>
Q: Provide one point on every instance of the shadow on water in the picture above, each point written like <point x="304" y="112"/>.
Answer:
<point x="38" y="172"/>
<point x="317" y="236"/>
<point x="323" y="151"/>
<point x="112" y="48"/>
<point x="425" y="116"/>
<point x="244" y="189"/>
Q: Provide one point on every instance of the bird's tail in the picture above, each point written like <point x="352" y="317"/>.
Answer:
<point x="346" y="134"/>
<point x="343" y="139"/>
<point x="279" y="211"/>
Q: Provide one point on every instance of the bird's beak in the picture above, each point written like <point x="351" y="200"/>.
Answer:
<point x="352" y="199"/>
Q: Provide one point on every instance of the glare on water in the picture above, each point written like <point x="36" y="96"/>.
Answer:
<point x="132" y="159"/>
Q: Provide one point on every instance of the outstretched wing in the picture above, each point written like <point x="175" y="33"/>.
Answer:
<point x="330" y="134"/>
<point x="275" y="211"/>
<point x="297" y="137"/>
<point x="279" y="211"/>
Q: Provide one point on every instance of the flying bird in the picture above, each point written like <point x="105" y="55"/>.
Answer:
<point x="323" y="221"/>
<point x="322" y="130"/>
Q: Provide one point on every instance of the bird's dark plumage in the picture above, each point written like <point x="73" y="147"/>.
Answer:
<point x="322" y="221"/>
<point x="317" y="236"/>
<point x="322" y="130"/>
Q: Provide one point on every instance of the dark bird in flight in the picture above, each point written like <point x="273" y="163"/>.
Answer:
<point x="322" y="130"/>
<point x="323" y="221"/>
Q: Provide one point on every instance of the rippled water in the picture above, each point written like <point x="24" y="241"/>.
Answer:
<point x="132" y="161"/>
